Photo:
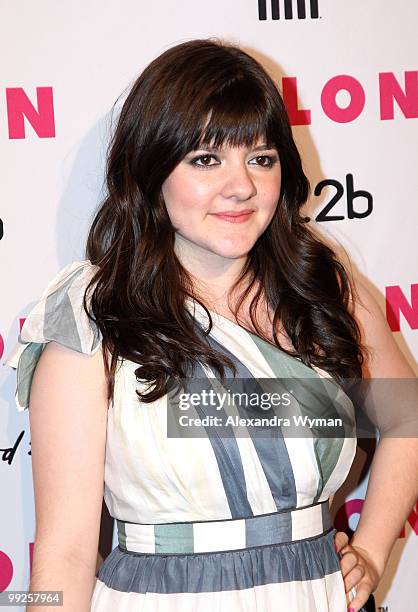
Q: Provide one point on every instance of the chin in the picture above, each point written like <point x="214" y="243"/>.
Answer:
<point x="232" y="253"/>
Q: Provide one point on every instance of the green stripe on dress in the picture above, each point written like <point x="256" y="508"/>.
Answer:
<point x="174" y="538"/>
<point x="121" y="533"/>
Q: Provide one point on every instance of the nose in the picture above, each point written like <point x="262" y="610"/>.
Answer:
<point x="239" y="183"/>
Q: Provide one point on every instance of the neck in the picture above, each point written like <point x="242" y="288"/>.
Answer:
<point x="213" y="276"/>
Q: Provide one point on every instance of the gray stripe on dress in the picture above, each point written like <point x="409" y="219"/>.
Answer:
<point x="25" y="371"/>
<point x="326" y="515"/>
<point x="268" y="529"/>
<point x="272" y="451"/>
<point x="59" y="320"/>
<point x="229" y="461"/>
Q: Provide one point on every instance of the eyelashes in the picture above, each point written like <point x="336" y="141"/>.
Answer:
<point x="271" y="160"/>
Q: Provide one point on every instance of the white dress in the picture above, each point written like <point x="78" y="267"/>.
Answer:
<point x="208" y="523"/>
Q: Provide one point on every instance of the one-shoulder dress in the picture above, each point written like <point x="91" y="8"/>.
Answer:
<point x="208" y="523"/>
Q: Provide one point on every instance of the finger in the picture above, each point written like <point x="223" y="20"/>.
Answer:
<point x="351" y="595"/>
<point x="348" y="561"/>
<point x="353" y="578"/>
<point x="363" y="594"/>
<point x="340" y="540"/>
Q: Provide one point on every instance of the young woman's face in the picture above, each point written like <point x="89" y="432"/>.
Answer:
<point x="208" y="182"/>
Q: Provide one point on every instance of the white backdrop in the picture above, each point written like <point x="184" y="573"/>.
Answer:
<point x="350" y="81"/>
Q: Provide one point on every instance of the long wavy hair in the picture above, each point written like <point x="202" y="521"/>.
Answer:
<point x="140" y="287"/>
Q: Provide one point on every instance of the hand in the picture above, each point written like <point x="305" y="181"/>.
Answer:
<point x="358" y="570"/>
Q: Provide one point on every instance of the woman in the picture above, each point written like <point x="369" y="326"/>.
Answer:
<point x="200" y="264"/>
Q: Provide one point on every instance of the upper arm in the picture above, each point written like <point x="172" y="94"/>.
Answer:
<point x="385" y="360"/>
<point x="68" y="417"/>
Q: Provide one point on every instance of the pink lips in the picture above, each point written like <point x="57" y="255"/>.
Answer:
<point x="233" y="216"/>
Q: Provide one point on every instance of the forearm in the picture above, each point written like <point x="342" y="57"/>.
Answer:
<point x="391" y="494"/>
<point x="56" y="572"/>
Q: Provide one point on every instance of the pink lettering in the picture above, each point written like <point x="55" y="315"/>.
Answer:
<point x="329" y="93"/>
<point x="19" y="106"/>
<point x="390" y="90"/>
<point x="290" y="98"/>
<point x="6" y="571"/>
<point x="396" y="303"/>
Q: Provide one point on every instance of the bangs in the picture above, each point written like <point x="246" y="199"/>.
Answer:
<point x="237" y="116"/>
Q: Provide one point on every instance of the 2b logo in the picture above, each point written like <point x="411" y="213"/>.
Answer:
<point x="351" y="195"/>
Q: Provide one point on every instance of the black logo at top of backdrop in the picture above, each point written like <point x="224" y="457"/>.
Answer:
<point x="284" y="9"/>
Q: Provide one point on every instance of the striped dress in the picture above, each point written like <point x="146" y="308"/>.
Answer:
<point x="230" y="519"/>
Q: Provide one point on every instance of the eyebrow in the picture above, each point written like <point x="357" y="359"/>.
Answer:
<point x="261" y="147"/>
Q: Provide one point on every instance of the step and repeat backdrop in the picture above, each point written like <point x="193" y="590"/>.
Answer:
<point x="348" y="72"/>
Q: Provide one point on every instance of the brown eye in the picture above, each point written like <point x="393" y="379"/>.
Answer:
<point x="202" y="157"/>
<point x="270" y="159"/>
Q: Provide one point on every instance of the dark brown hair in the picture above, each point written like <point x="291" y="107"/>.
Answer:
<point x="140" y="288"/>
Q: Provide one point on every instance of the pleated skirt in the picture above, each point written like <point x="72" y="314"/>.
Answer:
<point x="279" y="561"/>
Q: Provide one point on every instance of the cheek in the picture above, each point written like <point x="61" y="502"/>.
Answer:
<point x="272" y="191"/>
<point x="186" y="198"/>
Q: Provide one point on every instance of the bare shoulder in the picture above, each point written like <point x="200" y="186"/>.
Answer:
<point x="385" y="359"/>
<point x="89" y="367"/>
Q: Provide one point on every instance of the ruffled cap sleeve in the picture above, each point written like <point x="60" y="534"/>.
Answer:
<point x="59" y="315"/>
